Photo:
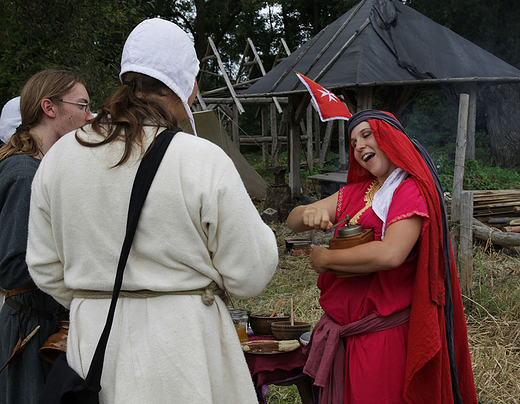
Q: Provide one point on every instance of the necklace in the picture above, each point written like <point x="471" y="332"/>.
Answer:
<point x="369" y="197"/>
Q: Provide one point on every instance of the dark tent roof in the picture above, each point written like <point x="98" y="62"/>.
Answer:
<point x="384" y="42"/>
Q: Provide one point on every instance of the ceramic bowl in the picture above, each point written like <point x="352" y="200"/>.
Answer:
<point x="284" y="329"/>
<point x="261" y="322"/>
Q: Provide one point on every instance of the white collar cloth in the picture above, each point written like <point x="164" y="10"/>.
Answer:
<point x="10" y="119"/>
<point x="384" y="195"/>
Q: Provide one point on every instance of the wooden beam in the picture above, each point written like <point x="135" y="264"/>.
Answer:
<point x="265" y="144"/>
<point x="364" y="100"/>
<point x="317" y="139"/>
<point x="302" y="107"/>
<point x="460" y="153"/>
<point x="274" y="136"/>
<point x="261" y="66"/>
<point x="310" y="154"/>
<point x="466" y="243"/>
<point x="239" y="106"/>
<point x="343" y="48"/>
<point x="331" y="41"/>
<point x="326" y="143"/>
<point x="294" y="147"/>
<point x="342" y="145"/>
<point x="472" y="121"/>
<point x="234" y="126"/>
<point x="485" y="233"/>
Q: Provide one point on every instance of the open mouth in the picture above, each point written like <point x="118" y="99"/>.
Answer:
<point x="368" y="156"/>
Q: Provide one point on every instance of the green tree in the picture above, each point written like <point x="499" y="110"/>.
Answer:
<point x="86" y="35"/>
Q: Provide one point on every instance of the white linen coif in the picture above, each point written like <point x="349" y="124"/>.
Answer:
<point x="10" y="119"/>
<point x="160" y="49"/>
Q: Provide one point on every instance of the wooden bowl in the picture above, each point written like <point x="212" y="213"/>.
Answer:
<point x="284" y="329"/>
<point x="261" y="322"/>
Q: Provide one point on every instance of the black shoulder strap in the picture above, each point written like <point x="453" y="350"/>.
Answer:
<point x="143" y="180"/>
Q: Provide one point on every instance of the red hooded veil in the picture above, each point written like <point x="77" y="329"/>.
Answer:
<point x="438" y="364"/>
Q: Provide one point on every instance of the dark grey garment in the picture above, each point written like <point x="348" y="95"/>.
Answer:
<point x="23" y="379"/>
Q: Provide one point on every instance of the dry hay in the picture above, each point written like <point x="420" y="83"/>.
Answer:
<point x="493" y="318"/>
<point x="492" y="314"/>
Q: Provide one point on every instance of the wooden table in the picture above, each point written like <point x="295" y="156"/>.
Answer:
<point x="330" y="182"/>
<point x="282" y="369"/>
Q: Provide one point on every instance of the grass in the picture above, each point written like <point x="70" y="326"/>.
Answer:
<point x="492" y="314"/>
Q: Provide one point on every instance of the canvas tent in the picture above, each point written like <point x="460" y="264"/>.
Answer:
<point x="384" y="42"/>
<point x="380" y="45"/>
<point x="210" y="128"/>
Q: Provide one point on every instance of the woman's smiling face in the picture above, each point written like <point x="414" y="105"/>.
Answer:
<point x="368" y="154"/>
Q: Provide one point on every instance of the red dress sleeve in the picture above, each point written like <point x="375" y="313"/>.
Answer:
<point x="407" y="202"/>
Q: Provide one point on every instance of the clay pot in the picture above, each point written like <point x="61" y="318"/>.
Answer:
<point x="284" y="329"/>
<point x="261" y="322"/>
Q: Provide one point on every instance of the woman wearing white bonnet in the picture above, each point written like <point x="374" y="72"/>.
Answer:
<point x="10" y="119"/>
<point x="198" y="227"/>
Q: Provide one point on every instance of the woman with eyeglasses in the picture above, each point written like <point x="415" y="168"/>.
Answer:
<point x="52" y="103"/>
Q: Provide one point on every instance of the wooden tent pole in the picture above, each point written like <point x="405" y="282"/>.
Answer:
<point x="310" y="155"/>
<point x="274" y="135"/>
<point x="472" y="118"/>
<point x="342" y="145"/>
<point x="458" y="176"/>
<point x="294" y="147"/>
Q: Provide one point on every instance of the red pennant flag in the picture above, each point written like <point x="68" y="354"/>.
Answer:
<point x="328" y="105"/>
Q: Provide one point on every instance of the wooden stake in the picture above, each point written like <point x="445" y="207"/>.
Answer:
<point x="292" y="313"/>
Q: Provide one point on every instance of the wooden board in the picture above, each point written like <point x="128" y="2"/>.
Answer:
<point x="269" y="346"/>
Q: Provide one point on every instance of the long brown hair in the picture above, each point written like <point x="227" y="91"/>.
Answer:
<point x="124" y="114"/>
<point x="49" y="84"/>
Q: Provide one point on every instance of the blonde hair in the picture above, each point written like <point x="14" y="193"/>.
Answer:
<point x="51" y="84"/>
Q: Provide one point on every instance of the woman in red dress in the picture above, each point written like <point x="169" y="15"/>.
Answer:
<point x="395" y="331"/>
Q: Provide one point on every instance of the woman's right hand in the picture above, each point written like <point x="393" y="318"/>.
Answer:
<point x="316" y="218"/>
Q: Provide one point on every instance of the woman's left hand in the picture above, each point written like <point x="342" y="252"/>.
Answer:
<point x="317" y="259"/>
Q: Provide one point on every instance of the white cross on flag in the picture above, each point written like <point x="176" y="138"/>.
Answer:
<point x="328" y="105"/>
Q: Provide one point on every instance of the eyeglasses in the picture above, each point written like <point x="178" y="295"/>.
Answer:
<point x="85" y="105"/>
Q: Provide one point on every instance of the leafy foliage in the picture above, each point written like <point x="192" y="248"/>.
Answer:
<point x="478" y="176"/>
<point x="87" y="36"/>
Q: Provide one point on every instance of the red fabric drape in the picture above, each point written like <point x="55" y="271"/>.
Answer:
<point x="428" y="378"/>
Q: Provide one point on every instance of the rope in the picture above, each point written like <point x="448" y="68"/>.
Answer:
<point x="207" y="294"/>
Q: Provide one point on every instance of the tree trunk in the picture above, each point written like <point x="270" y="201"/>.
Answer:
<point x="501" y="107"/>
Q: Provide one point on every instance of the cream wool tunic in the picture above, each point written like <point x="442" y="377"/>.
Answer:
<point x="198" y="224"/>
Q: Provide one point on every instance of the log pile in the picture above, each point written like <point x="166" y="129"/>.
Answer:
<point x="498" y="209"/>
